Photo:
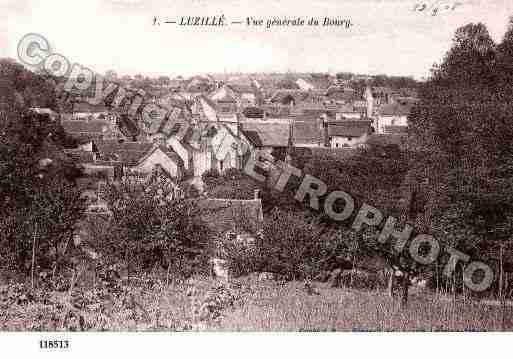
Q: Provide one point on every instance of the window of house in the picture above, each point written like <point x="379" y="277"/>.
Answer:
<point x="221" y="163"/>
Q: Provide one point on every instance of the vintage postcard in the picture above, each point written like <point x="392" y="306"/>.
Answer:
<point x="194" y="166"/>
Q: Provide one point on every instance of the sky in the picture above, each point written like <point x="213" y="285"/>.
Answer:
<point x="387" y="36"/>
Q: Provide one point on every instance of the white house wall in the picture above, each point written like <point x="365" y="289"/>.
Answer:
<point x="202" y="162"/>
<point x="159" y="158"/>
<point x="390" y="121"/>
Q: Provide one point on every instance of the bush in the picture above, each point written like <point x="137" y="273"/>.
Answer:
<point x="290" y="246"/>
<point x="211" y="178"/>
<point x="241" y="256"/>
<point x="146" y="231"/>
<point x="356" y="278"/>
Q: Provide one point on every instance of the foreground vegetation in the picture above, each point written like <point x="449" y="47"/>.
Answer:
<point x="246" y="304"/>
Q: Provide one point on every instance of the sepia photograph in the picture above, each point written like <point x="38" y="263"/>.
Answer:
<point x="230" y="166"/>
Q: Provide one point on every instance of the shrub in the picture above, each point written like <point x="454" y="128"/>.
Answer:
<point x="298" y="252"/>
<point x="356" y="278"/>
<point x="147" y="231"/>
<point x="211" y="178"/>
<point x="242" y="256"/>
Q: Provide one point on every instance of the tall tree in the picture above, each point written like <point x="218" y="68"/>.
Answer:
<point x="40" y="201"/>
<point x="470" y="60"/>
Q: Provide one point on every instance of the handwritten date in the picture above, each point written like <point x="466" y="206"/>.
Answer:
<point x="436" y="7"/>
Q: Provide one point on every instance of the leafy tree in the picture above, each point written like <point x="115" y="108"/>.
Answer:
<point x="150" y="226"/>
<point x="461" y="132"/>
<point x="40" y="201"/>
<point x="295" y="254"/>
<point x="470" y="60"/>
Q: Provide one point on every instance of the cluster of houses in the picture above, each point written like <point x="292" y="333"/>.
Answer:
<point x="240" y="110"/>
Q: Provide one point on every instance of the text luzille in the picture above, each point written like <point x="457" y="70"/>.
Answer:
<point x="202" y="20"/>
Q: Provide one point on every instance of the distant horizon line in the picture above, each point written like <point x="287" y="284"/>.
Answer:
<point x="238" y="72"/>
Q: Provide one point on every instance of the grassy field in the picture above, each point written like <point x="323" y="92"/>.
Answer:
<point x="245" y="305"/>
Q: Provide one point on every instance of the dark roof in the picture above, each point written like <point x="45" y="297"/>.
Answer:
<point x="348" y="128"/>
<point x="127" y="152"/>
<point x="396" y="129"/>
<point x="128" y="126"/>
<point x="395" y="109"/>
<point x="253" y="112"/>
<point x="341" y="93"/>
<point x="307" y="112"/>
<point x="267" y="134"/>
<point x="308" y="132"/>
<point x="85" y="126"/>
<point x="280" y="96"/>
<point x="109" y="146"/>
<point x="223" y="215"/>
<point x="170" y="153"/>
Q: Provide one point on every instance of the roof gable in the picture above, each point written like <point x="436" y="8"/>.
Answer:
<point x="163" y="157"/>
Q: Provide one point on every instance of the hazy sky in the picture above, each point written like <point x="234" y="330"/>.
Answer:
<point x="387" y="36"/>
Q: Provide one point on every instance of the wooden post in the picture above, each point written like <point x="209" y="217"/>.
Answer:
<point x="506" y="285"/>
<point x="454" y="285"/>
<point x="33" y="256"/>
<point x="501" y="283"/>
<point x="463" y="285"/>
<point x="501" y="269"/>
<point x="405" y="285"/>
<point x="352" y="273"/>
<point x="437" y="281"/>
<point x="391" y="283"/>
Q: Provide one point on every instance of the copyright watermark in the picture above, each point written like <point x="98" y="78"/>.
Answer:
<point x="34" y="51"/>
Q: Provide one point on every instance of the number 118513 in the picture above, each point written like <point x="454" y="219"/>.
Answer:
<point x="53" y="344"/>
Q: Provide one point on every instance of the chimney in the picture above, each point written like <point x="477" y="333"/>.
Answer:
<point x="256" y="194"/>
